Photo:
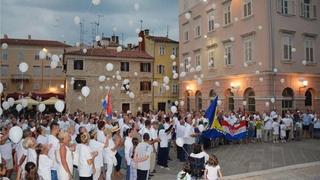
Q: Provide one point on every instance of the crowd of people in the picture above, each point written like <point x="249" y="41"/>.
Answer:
<point x="91" y="146"/>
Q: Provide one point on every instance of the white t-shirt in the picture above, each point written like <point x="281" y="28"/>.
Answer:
<point x="41" y="139"/>
<point x="32" y="156"/>
<point x="163" y="136"/>
<point x="187" y="137"/>
<point x="45" y="164"/>
<point x="97" y="146"/>
<point x="6" y="150"/>
<point x="181" y="129"/>
<point x="101" y="137"/>
<point x="21" y="151"/>
<point x="275" y="127"/>
<point x="212" y="172"/>
<point x="85" y="170"/>
<point x="200" y="155"/>
<point x="128" y="146"/>
<point x="283" y="130"/>
<point x="144" y="149"/>
<point x="55" y="146"/>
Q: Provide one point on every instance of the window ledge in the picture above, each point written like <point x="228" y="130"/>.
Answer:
<point x="247" y="17"/>
<point x="250" y="62"/>
<point x="185" y="42"/>
<point x="308" y="19"/>
<point x="197" y="37"/>
<point x="211" y="32"/>
<point x="287" y="61"/>
<point x="227" y="25"/>
<point x="212" y="69"/>
<point x="286" y="15"/>
<point x="229" y="66"/>
<point x="311" y="64"/>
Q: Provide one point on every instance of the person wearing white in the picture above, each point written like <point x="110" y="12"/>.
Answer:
<point x="64" y="157"/>
<point x="128" y="148"/>
<point x="275" y="128"/>
<point x="109" y="153"/>
<point x="42" y="138"/>
<point x="267" y="130"/>
<point x="189" y="137"/>
<point x="52" y="139"/>
<point x="45" y="164"/>
<point x="30" y="145"/>
<point x="282" y="131"/>
<point x="180" y="131"/>
<point x="198" y="153"/>
<point x="86" y="158"/>
<point x="98" y="147"/>
<point x="6" y="152"/>
<point x="212" y="169"/>
<point x="143" y="152"/>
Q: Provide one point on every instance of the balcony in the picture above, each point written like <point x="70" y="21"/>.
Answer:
<point x="20" y="77"/>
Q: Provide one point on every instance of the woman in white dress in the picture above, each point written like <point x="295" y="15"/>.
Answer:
<point x="109" y="154"/>
<point x="64" y="157"/>
<point x="30" y="144"/>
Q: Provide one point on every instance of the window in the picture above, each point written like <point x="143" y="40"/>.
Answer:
<point x="36" y="86"/>
<point x="145" y="107"/>
<point x="145" y="67"/>
<point x="308" y="98"/>
<point x="247" y="8"/>
<point x="58" y="70"/>
<point x="78" y="84"/>
<point x="198" y="101"/>
<point x="125" y="66"/>
<point x="175" y="69"/>
<point x="36" y="56"/>
<point x="4" y="55"/>
<point x="175" y="51"/>
<point x="227" y="54"/>
<point x="47" y="71"/>
<point x="4" y="70"/>
<point x="287" y="100"/>
<point x="125" y="107"/>
<point x="161" y="50"/>
<point x="286" y="7"/>
<point x="309" y="49"/>
<point x="175" y="88"/>
<point x="248" y="45"/>
<point x="186" y="62"/>
<point x="198" y="60"/>
<point x="5" y="85"/>
<point x="160" y="69"/>
<point x="227" y="14"/>
<point x="230" y="100"/>
<point x="212" y="95"/>
<point x="211" y="20"/>
<point x="145" y="86"/>
<point x="78" y="64"/>
<point x="188" y="101"/>
<point x="211" y="58"/>
<point x="308" y="9"/>
<point x="287" y="48"/>
<point x="161" y="90"/>
<point x="36" y="71"/>
<point x="249" y="97"/>
<point x="197" y="31"/>
<point x="186" y="36"/>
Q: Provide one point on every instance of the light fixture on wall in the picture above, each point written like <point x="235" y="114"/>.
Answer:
<point x="303" y="84"/>
<point x="234" y="86"/>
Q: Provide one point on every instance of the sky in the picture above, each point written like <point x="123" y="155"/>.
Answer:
<point x="54" y="19"/>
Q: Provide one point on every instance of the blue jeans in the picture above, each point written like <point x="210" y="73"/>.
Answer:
<point x="54" y="175"/>
<point x="128" y="173"/>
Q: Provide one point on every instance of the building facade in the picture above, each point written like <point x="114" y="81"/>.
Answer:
<point x="255" y="55"/>
<point x="40" y="80"/>
<point x="84" y="69"/>
<point x="162" y="49"/>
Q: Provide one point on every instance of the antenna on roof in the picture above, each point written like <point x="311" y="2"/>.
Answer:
<point x="141" y="22"/>
<point x="81" y="31"/>
<point x="167" y="30"/>
<point x="122" y="39"/>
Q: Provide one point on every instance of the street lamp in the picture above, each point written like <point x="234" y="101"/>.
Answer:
<point x="234" y="86"/>
<point x="303" y="84"/>
<point x="62" y="86"/>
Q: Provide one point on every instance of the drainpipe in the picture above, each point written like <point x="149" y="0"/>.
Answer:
<point x="154" y="63"/>
<point x="272" y="85"/>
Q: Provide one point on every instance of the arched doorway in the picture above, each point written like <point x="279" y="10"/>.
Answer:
<point x="249" y="97"/>
<point x="212" y="94"/>
<point x="309" y="98"/>
<point x="229" y="99"/>
<point x="198" y="101"/>
<point x="187" y="100"/>
<point x="287" y="100"/>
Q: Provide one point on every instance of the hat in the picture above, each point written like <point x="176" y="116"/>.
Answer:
<point x="115" y="128"/>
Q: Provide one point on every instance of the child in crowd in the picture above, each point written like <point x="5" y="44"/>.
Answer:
<point x="282" y="132"/>
<point x="275" y="128"/>
<point x="3" y="172"/>
<point x="259" y="126"/>
<point x="212" y="171"/>
<point x="184" y="174"/>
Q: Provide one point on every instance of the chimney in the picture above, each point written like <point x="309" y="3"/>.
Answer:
<point x="142" y="44"/>
<point x="146" y="32"/>
<point x="6" y="36"/>
<point x="117" y="39"/>
<point x="113" y="38"/>
<point x="29" y="36"/>
<point x="129" y="46"/>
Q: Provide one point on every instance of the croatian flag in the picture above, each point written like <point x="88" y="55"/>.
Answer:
<point x="236" y="131"/>
<point x="107" y="105"/>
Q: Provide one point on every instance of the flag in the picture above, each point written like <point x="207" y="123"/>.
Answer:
<point x="223" y="128"/>
<point x="106" y="104"/>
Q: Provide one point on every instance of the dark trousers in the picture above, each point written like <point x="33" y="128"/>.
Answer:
<point x="86" y="178"/>
<point x="119" y="158"/>
<point x="163" y="156"/>
<point x="180" y="154"/>
<point x="287" y="135"/>
<point x="142" y="174"/>
<point x="188" y="148"/>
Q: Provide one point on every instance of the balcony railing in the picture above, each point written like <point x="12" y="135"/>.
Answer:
<point x="20" y="77"/>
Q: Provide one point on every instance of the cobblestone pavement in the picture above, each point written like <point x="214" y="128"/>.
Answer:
<point x="245" y="158"/>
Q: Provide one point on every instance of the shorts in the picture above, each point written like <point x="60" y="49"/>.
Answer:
<point x="9" y="163"/>
<point x="275" y="137"/>
<point x="259" y="133"/>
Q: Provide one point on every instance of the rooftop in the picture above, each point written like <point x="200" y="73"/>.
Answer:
<point x="33" y="42"/>
<point x="161" y="39"/>
<point x="105" y="52"/>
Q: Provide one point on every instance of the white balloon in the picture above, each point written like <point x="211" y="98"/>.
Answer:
<point x="19" y="107"/>
<point x="219" y="102"/>
<point x="23" y="67"/>
<point x="117" y="72"/>
<point x="181" y="65"/>
<point x="77" y="44"/>
<point x="175" y="76"/>
<point x="15" y="134"/>
<point x="107" y="87"/>
<point x="119" y="49"/>
<point x="183" y="74"/>
<point x="174" y="63"/>
<point x="55" y="58"/>
<point x="282" y="80"/>
<point x="113" y="88"/>
<point x="1" y="111"/>
<point x="155" y="83"/>
<point x="118" y="77"/>
<point x="108" y="79"/>
<point x="135" y="74"/>
<point x="261" y="79"/>
<point x="140" y="39"/>
<point x="293" y="49"/>
<point x="85" y="91"/>
<point x="116" y="84"/>
<point x="101" y="87"/>
<point x="260" y="63"/>
<point x="199" y="81"/>
<point x="245" y="64"/>
<point x="1" y="88"/>
<point x="76" y="20"/>
<point x="257" y="72"/>
<point x="198" y="68"/>
<point x="180" y="142"/>
<point x="202" y="75"/>
<point x="24" y="102"/>
<point x="131" y="95"/>
<point x="4" y="46"/>
<point x="5" y="105"/>
<point x="181" y="103"/>
<point x="11" y="101"/>
<point x="84" y="51"/>
<point x="187" y="15"/>
<point x="231" y="39"/>
<point x="244" y="103"/>
<point x="275" y="70"/>
<point x="80" y="98"/>
<point x="217" y="83"/>
<point x="167" y="88"/>
<point x="102" y="78"/>
<point x="166" y="80"/>
<point x="53" y="64"/>
<point x="174" y="109"/>
<point x="96" y="2"/>
<point x="267" y="104"/>
<point x="259" y="27"/>
<point x="59" y="105"/>
<point x="304" y="62"/>
<point x="127" y="86"/>
<point x="98" y="38"/>
<point x="109" y="67"/>
<point x="172" y="57"/>
<point x="192" y="70"/>
<point x="139" y="108"/>
<point x="42" y="54"/>
<point x="136" y="6"/>
<point x="236" y="19"/>
<point x="126" y="81"/>
<point x="176" y="103"/>
<point x="41" y="107"/>
<point x="273" y="100"/>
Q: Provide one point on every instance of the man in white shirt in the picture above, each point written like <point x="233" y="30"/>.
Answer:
<point x="288" y="122"/>
<point x="52" y="139"/>
<point x="267" y="130"/>
<point x="143" y="152"/>
<point x="163" y="149"/>
<point x="276" y="130"/>
<point x="189" y="137"/>
<point x="180" y="130"/>
<point x="128" y="148"/>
